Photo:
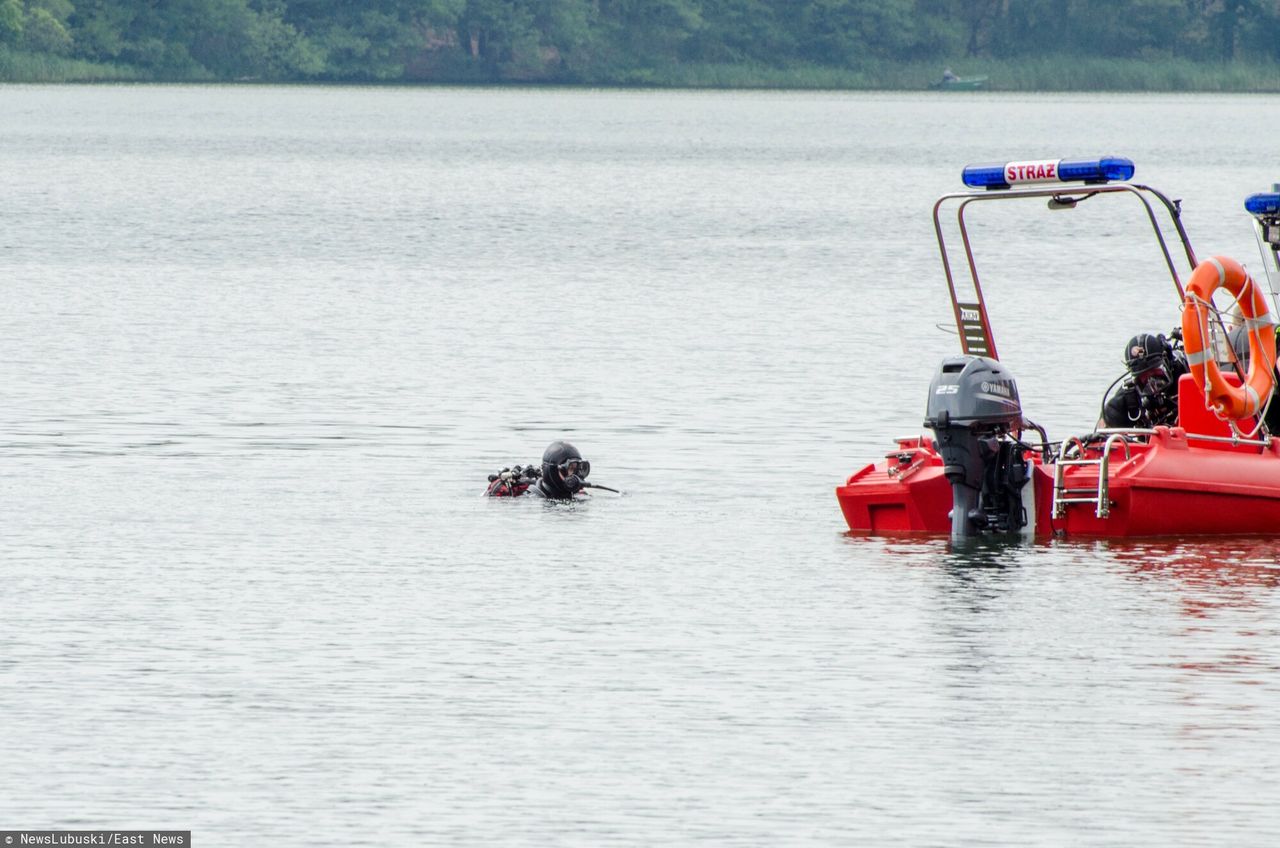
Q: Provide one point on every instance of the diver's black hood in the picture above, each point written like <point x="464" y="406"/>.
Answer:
<point x="555" y="454"/>
<point x="1144" y="351"/>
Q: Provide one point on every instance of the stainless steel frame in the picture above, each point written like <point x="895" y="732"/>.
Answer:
<point x="1270" y="250"/>
<point x="972" y="320"/>
<point x="1100" y="496"/>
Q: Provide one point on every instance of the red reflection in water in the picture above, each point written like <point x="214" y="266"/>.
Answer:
<point x="1225" y="588"/>
<point x="1215" y="573"/>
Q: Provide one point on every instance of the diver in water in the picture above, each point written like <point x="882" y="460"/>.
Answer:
<point x="1148" y="390"/>
<point x="564" y="472"/>
<point x="562" y="476"/>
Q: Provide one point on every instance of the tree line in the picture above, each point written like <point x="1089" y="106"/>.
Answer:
<point x="604" y="40"/>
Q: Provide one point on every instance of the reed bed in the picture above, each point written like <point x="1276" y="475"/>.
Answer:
<point x="1053" y="73"/>
<point x="17" y="66"/>
<point x="1039" y="74"/>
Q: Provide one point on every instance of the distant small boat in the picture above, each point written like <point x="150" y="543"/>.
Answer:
<point x="960" y="84"/>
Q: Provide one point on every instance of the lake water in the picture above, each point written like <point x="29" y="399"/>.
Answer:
<point x="261" y="347"/>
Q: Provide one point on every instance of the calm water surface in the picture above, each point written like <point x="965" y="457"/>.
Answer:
<point x="260" y="348"/>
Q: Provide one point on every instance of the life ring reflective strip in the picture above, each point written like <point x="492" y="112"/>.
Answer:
<point x="1228" y="401"/>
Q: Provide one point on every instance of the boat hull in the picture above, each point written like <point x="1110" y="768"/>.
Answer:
<point x="962" y="84"/>
<point x="1167" y="486"/>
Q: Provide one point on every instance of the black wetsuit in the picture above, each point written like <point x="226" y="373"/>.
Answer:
<point x="1143" y="406"/>
<point x="557" y="490"/>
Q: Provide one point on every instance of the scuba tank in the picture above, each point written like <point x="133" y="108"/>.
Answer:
<point x="512" y="482"/>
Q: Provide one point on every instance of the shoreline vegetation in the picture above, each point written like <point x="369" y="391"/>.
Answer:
<point x="856" y="45"/>
<point x="1037" y="75"/>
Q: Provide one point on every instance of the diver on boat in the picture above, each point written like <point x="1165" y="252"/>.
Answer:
<point x="949" y="75"/>
<point x="562" y="476"/>
<point x="1147" y="393"/>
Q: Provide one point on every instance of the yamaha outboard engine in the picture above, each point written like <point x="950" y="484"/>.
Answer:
<point x="973" y="409"/>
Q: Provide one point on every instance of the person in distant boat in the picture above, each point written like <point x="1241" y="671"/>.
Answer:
<point x="1148" y="390"/>
<point x="949" y="75"/>
<point x="562" y="476"/>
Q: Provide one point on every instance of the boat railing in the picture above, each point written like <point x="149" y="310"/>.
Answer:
<point x="1075" y="453"/>
<point x="1106" y="435"/>
<point x="1230" y="440"/>
<point x="1100" y="495"/>
<point x="1140" y="432"/>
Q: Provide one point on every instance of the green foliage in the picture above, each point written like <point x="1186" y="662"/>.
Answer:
<point x="638" y="31"/>
<point x="99" y="28"/>
<point x="44" y="33"/>
<point x="1156" y="44"/>
<point x="279" y="51"/>
<point x="11" y="19"/>
<point x="746" y="31"/>
<point x="850" y="32"/>
<point x="498" y="33"/>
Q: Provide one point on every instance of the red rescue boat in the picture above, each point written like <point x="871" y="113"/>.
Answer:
<point x="1210" y="468"/>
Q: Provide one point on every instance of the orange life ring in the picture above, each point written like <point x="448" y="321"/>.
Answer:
<point x="1226" y="400"/>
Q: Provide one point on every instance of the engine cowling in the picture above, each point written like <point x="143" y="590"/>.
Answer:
<point x="974" y="411"/>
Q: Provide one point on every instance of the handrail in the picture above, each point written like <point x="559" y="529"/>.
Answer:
<point x="1111" y="440"/>
<point x="1227" y="440"/>
<point x="1080" y="443"/>
<point x="1124" y="431"/>
<point x="1104" y="473"/>
<point x="1102" y="496"/>
<point x="1199" y="437"/>
<point x="1114" y="436"/>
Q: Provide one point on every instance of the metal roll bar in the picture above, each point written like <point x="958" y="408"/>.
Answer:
<point x="971" y="318"/>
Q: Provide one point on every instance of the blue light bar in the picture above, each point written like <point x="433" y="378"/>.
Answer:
<point x="1102" y="170"/>
<point x="1009" y="174"/>
<point x="1263" y="204"/>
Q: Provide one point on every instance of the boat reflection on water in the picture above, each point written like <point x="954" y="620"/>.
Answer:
<point x="1217" y="662"/>
<point x="1215" y="563"/>
<point x="1171" y="640"/>
<point x="954" y="555"/>
<point x="1210" y="574"/>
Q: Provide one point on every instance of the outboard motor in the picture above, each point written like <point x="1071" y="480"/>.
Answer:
<point x="973" y="409"/>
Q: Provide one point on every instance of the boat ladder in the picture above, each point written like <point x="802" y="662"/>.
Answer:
<point x="1062" y="496"/>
